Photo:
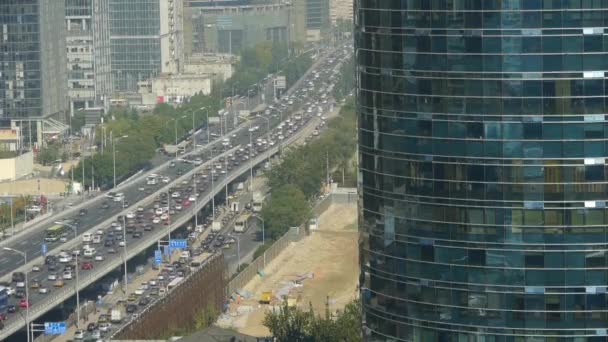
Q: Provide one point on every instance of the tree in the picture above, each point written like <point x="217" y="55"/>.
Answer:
<point x="294" y="324"/>
<point x="48" y="155"/>
<point x="286" y="208"/>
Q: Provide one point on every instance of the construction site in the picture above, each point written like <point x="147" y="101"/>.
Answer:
<point x="320" y="269"/>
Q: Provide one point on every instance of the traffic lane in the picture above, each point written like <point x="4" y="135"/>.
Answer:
<point x="131" y="241"/>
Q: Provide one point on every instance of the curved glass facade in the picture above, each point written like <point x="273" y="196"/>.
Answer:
<point x="483" y="179"/>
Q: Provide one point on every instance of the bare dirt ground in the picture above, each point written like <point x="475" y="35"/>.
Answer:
<point x="33" y="187"/>
<point x="329" y="256"/>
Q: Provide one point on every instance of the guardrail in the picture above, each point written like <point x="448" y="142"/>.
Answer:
<point x="88" y="278"/>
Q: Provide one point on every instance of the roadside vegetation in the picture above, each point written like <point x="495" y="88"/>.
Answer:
<point x="141" y="134"/>
<point x="297" y="180"/>
<point x="292" y="324"/>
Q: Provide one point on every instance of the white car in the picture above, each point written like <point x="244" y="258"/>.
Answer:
<point x="175" y="195"/>
<point x="178" y="207"/>
<point x="130" y="215"/>
<point x="192" y="198"/>
<point x="140" y="291"/>
<point x="164" y="216"/>
<point x="156" y="220"/>
<point x="36" y="268"/>
<point x="43" y="290"/>
<point x="121" y="243"/>
<point x="67" y="275"/>
<point x="118" y="228"/>
<point x="79" y="335"/>
<point x="52" y="277"/>
<point x="140" y="210"/>
<point x="20" y="284"/>
<point x="104" y="327"/>
<point x="158" y="211"/>
<point x="166" y="180"/>
<point x="65" y="258"/>
<point x="99" y="257"/>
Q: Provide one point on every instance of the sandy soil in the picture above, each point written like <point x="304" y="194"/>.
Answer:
<point x="329" y="254"/>
<point x="48" y="187"/>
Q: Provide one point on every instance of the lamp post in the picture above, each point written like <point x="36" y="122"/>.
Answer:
<point x="263" y="236"/>
<point x="114" y="140"/>
<point x="75" y="229"/>
<point x="207" y="112"/>
<point x="181" y="117"/>
<point x="27" y="295"/>
<point x="124" y="240"/>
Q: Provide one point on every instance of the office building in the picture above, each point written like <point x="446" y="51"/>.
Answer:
<point x="482" y="140"/>
<point x="80" y="55"/>
<point x="340" y="10"/>
<point x="317" y="18"/>
<point x="32" y="60"/>
<point x="135" y="42"/>
<point x="229" y="29"/>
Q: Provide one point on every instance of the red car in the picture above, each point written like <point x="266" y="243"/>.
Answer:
<point x="186" y="203"/>
<point x="24" y="303"/>
<point x="87" y="265"/>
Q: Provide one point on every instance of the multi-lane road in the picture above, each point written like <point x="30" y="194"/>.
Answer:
<point x="141" y="195"/>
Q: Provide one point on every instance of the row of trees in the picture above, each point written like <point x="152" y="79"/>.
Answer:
<point x="291" y="324"/>
<point x="19" y="210"/>
<point x="346" y="82"/>
<point x="297" y="180"/>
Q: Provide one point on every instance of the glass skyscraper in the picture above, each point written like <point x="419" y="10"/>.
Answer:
<point x="483" y="180"/>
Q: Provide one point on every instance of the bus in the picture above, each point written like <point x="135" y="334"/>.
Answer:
<point x="174" y="283"/>
<point x="240" y="226"/>
<point x="54" y="233"/>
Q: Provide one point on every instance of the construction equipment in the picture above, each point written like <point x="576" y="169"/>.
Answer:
<point x="266" y="297"/>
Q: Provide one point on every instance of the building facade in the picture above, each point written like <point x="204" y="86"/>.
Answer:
<point x="229" y="29"/>
<point x="340" y="10"/>
<point x="135" y="42"/>
<point x="483" y="183"/>
<point x="80" y="55"/>
<point x="32" y="64"/>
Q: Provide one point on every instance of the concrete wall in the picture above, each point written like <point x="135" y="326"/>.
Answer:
<point x="14" y="168"/>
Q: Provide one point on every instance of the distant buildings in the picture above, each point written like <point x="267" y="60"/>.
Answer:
<point x="229" y="29"/>
<point x="32" y="72"/>
<point x="340" y="9"/>
<point x="317" y="18"/>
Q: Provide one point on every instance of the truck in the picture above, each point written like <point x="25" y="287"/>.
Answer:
<point x="216" y="226"/>
<point x="266" y="297"/>
<point x="240" y="226"/>
<point x="115" y="316"/>
<point x="258" y="201"/>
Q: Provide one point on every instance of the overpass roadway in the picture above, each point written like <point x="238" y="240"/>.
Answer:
<point x="43" y="303"/>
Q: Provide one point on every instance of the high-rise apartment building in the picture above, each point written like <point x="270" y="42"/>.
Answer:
<point x="135" y="42"/>
<point x="80" y="53"/>
<point x="32" y="59"/>
<point x="482" y="141"/>
<point x="340" y="10"/>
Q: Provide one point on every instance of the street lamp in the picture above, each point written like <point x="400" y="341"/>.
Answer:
<point x="75" y="229"/>
<point x="175" y="126"/>
<point x="27" y="295"/>
<point x="207" y="112"/>
<point x="124" y="240"/>
<point x="114" y="154"/>
<point x="263" y="236"/>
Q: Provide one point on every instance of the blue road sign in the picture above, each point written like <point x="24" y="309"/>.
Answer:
<point x="158" y="258"/>
<point x="178" y="244"/>
<point x="54" y="328"/>
<point x="44" y="249"/>
<point x="166" y="250"/>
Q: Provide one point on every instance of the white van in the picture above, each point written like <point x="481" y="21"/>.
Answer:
<point x="96" y="239"/>
<point x="89" y="252"/>
<point x="87" y="237"/>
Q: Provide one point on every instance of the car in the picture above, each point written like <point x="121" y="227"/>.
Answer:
<point x="130" y="215"/>
<point x="87" y="265"/>
<point x="67" y="275"/>
<point x="95" y="335"/>
<point x="140" y="291"/>
<point x="137" y="235"/>
<point x="24" y="303"/>
<point x="144" y="301"/>
<point x="99" y="257"/>
<point x="131" y="308"/>
<point x="36" y="268"/>
<point x="164" y="216"/>
<point x="92" y="326"/>
<point x="104" y="326"/>
<point x="121" y="244"/>
<point x="20" y="284"/>
<point x="82" y="212"/>
<point x="176" y="195"/>
<point x="51" y="277"/>
<point x="103" y="319"/>
<point x="35" y="284"/>
<point x="111" y="251"/>
<point x="20" y="293"/>
<point x="79" y="334"/>
<point x="43" y="290"/>
<point x="11" y="309"/>
<point x="132" y="297"/>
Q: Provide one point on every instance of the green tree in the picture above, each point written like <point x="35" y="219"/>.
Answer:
<point x="48" y="155"/>
<point x="290" y="324"/>
<point x="286" y="208"/>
